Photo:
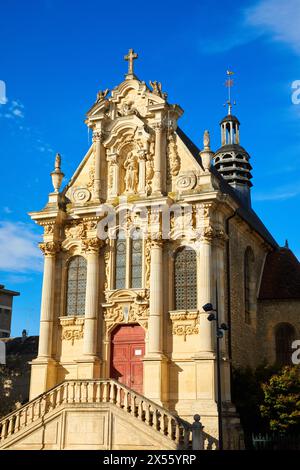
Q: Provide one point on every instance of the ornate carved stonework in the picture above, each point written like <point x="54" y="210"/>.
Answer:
<point x="186" y="181"/>
<point x="50" y="248"/>
<point x="147" y="263"/>
<point x="81" y="195"/>
<point x="49" y="228"/>
<point x="173" y="155"/>
<point x="125" y="312"/>
<point x="185" y="323"/>
<point x="75" y="231"/>
<point x="92" y="245"/>
<point x="72" y="328"/>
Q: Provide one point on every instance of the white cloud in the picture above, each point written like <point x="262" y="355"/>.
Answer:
<point x="280" y="20"/>
<point x="279" y="194"/>
<point x="274" y="19"/>
<point x="12" y="110"/>
<point x="19" y="251"/>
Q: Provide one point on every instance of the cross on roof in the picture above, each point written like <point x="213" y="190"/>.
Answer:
<point x="131" y="56"/>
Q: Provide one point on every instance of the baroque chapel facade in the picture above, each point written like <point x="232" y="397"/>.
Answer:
<point x="147" y="231"/>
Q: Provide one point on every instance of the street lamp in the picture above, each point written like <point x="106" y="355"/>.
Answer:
<point x="220" y="328"/>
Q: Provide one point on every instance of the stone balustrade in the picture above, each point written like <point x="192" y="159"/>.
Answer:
<point x="93" y="392"/>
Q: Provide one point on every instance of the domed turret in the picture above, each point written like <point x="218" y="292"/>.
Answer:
<point x="232" y="160"/>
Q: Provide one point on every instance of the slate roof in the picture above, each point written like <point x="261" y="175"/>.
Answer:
<point x="281" y="276"/>
<point x="243" y="211"/>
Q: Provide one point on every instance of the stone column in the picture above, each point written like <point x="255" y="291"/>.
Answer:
<point x="155" y="363"/>
<point x="91" y="301"/>
<point x="158" y="156"/>
<point x="97" y="139"/>
<point x="156" y="298"/>
<point x="113" y="185"/>
<point x="43" y="370"/>
<point x="46" y="326"/>
<point x="205" y="293"/>
<point x="89" y="367"/>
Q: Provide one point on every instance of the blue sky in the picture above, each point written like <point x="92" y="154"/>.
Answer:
<point x="56" y="55"/>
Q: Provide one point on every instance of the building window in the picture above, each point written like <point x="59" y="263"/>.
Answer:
<point x="136" y="260"/>
<point x="248" y="268"/>
<point x="129" y="260"/>
<point x="76" y="286"/>
<point x="185" y="271"/>
<point x="284" y="337"/>
<point x="120" y="267"/>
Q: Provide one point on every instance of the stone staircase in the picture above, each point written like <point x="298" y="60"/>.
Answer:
<point x="93" y="414"/>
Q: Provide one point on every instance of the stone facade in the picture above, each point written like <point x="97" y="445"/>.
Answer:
<point x="142" y="169"/>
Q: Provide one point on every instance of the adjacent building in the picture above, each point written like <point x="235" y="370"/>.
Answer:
<point x="6" y="306"/>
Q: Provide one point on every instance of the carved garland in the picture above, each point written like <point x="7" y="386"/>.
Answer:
<point x="72" y="328"/>
<point x="185" y="324"/>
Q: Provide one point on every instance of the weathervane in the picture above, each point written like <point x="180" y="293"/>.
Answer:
<point x="229" y="84"/>
<point x="130" y="57"/>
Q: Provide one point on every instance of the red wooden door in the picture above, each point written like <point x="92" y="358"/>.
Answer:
<point x="127" y="352"/>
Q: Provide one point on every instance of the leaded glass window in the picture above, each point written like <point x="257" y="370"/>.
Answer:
<point x="136" y="261"/>
<point x="76" y="286"/>
<point x="120" y="270"/>
<point x="185" y="279"/>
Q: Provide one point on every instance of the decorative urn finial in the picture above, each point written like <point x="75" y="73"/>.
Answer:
<point x="206" y="140"/>
<point x="57" y="175"/>
<point x="206" y="154"/>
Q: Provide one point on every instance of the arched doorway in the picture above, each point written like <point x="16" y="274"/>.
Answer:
<point x="127" y="352"/>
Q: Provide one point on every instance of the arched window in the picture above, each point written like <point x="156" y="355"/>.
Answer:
<point x="248" y="266"/>
<point x="120" y="266"/>
<point x="284" y="336"/>
<point x="76" y="286"/>
<point x="136" y="260"/>
<point x="185" y="279"/>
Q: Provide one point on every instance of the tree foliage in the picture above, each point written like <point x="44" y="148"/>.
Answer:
<point x="281" y="400"/>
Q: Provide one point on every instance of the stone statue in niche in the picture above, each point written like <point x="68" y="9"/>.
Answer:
<point x="131" y="177"/>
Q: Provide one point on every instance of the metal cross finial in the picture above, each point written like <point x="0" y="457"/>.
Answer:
<point x="131" y="56"/>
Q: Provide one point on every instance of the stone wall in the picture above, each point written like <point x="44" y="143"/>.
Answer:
<point x="245" y="349"/>
<point x="270" y="313"/>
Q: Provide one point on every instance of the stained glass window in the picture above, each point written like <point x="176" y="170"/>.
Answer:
<point x="76" y="286"/>
<point x="185" y="279"/>
<point x="284" y="337"/>
<point x="136" y="261"/>
<point x="120" y="270"/>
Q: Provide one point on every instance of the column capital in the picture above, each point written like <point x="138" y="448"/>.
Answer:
<point x="159" y="126"/>
<point x="50" y="248"/>
<point x="98" y="136"/>
<point x="92" y="245"/>
<point x="207" y="234"/>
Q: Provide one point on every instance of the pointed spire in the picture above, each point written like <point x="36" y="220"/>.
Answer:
<point x="57" y="175"/>
<point x="286" y="244"/>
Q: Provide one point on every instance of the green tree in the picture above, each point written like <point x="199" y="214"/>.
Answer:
<point x="281" y="401"/>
